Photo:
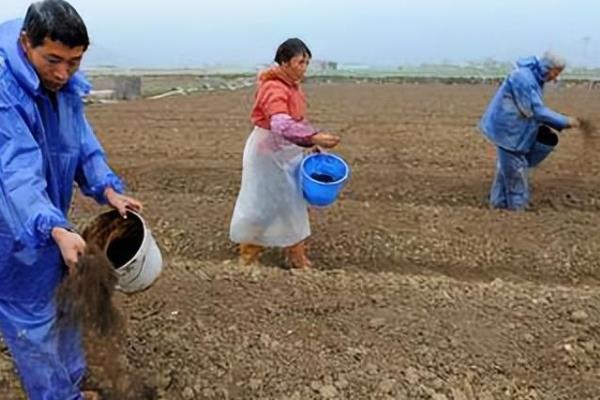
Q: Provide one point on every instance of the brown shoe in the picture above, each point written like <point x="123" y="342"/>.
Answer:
<point x="296" y="256"/>
<point x="250" y="253"/>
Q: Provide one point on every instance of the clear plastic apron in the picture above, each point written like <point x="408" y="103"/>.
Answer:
<point x="270" y="210"/>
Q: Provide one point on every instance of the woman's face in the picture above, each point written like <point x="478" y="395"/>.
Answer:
<point x="297" y="66"/>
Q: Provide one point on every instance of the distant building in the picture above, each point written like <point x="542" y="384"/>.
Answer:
<point x="323" y="66"/>
<point x="353" y="67"/>
<point x="122" y="87"/>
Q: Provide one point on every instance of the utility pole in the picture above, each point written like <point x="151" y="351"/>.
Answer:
<point x="586" y="44"/>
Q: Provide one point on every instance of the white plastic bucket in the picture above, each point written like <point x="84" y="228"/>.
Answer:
<point x="130" y="247"/>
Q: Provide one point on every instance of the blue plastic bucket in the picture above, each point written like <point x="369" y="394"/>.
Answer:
<point x="322" y="178"/>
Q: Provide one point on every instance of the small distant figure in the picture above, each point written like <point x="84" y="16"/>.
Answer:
<point x="522" y="128"/>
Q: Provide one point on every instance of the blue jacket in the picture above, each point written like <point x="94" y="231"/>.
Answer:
<point x="516" y="112"/>
<point x="44" y="149"/>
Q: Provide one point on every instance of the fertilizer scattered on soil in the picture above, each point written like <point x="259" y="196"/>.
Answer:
<point x="107" y="359"/>
<point x="587" y="127"/>
<point x="322" y="178"/>
<point x="85" y="297"/>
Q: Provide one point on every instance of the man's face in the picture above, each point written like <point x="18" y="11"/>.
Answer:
<point x="553" y="74"/>
<point x="54" y="62"/>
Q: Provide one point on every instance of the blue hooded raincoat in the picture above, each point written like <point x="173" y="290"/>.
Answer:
<point x="45" y="146"/>
<point x="512" y="122"/>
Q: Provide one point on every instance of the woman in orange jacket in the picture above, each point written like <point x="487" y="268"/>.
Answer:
<point x="270" y="210"/>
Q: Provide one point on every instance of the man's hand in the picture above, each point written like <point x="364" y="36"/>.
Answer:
<point x="71" y="246"/>
<point x="325" y="140"/>
<point x="121" y="202"/>
<point x="574" y="122"/>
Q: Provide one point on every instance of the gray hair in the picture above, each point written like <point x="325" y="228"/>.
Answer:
<point x="553" y="60"/>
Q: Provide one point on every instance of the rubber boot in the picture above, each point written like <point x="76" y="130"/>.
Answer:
<point x="296" y="256"/>
<point x="250" y="253"/>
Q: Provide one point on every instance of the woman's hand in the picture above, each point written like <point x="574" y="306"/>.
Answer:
<point x="325" y="140"/>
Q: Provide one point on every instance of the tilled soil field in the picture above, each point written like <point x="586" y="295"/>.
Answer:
<point x="419" y="291"/>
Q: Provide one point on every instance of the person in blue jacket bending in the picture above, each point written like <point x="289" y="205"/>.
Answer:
<point x="46" y="144"/>
<point x="522" y="128"/>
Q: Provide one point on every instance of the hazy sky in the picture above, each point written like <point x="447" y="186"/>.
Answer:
<point x="177" y="33"/>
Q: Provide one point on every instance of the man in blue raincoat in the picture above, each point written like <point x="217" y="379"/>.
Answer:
<point x="46" y="144"/>
<point x="522" y="128"/>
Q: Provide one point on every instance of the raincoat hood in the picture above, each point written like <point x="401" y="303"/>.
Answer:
<point x="538" y="67"/>
<point x="276" y="73"/>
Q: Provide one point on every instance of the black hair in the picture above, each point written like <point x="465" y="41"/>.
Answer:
<point x="56" y="20"/>
<point x="290" y="49"/>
